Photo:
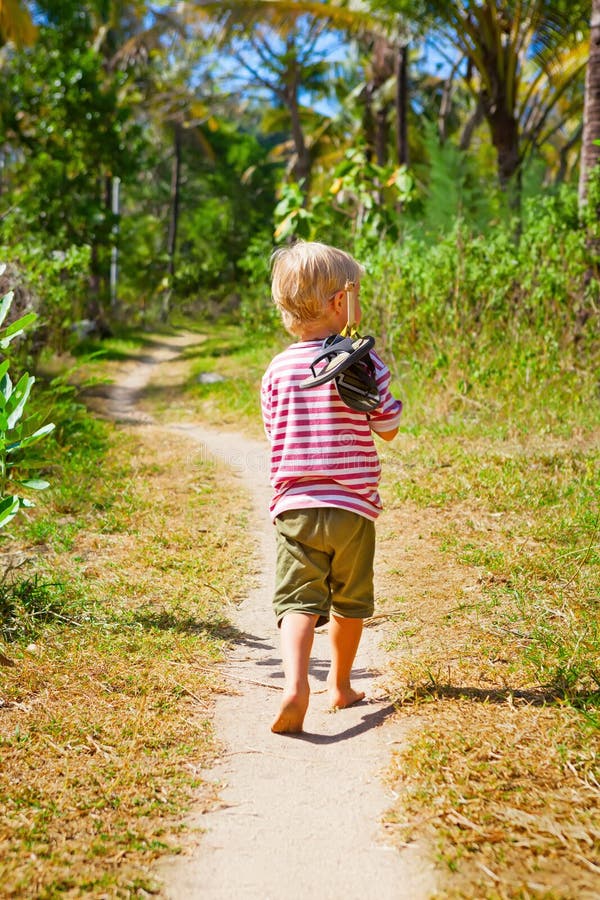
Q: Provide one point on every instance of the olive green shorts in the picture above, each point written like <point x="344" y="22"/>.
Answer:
<point x="324" y="563"/>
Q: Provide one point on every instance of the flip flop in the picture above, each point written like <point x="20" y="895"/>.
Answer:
<point x="357" y="386"/>
<point x="339" y="353"/>
<point x="349" y="365"/>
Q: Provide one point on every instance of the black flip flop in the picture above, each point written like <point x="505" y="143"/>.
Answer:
<point x="339" y="353"/>
<point x="349" y="365"/>
<point x="357" y="386"/>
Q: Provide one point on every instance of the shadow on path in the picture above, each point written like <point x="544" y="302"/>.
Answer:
<point x="368" y="721"/>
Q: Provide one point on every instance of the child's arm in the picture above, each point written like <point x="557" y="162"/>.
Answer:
<point x="385" y="420"/>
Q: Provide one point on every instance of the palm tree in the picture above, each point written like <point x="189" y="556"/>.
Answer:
<point x="503" y="40"/>
<point x="283" y="67"/>
<point x="384" y="34"/>
<point x="590" y="151"/>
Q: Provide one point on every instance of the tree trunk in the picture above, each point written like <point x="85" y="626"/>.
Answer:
<point x="382" y="130"/>
<point x="446" y="103"/>
<point x="94" y="307"/>
<point x="375" y="122"/>
<point x="471" y="125"/>
<point x="302" y="166"/>
<point x="115" y="208"/>
<point x="401" y="104"/>
<point x="173" y="219"/>
<point x="504" y="129"/>
<point x="368" y="121"/>
<point x="590" y="151"/>
<point x="590" y="162"/>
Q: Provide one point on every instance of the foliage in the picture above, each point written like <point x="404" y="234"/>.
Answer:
<point x="72" y="130"/>
<point x="363" y="204"/>
<point x="455" y="189"/>
<point x="227" y="201"/>
<point x="53" y="284"/>
<point x="500" y="313"/>
<point x="257" y="313"/>
<point x="15" y="437"/>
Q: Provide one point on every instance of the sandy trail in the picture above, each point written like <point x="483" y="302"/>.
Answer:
<point x="297" y="816"/>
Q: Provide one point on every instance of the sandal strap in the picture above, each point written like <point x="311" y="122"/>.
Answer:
<point x="331" y="351"/>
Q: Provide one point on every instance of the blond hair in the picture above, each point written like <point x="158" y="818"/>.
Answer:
<point x="304" y="277"/>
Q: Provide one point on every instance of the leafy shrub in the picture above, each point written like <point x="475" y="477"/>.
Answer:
<point x="14" y="437"/>
<point x="53" y="284"/>
<point x="484" y="316"/>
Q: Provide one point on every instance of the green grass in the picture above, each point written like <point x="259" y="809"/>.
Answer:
<point x="527" y="515"/>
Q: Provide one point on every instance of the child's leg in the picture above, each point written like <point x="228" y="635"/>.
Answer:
<point x="297" y="633"/>
<point x="344" y="637"/>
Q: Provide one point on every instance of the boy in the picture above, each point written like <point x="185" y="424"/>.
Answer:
<point x="325" y="473"/>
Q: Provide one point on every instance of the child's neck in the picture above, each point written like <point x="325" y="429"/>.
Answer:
<point x="317" y="331"/>
<point x="315" y="334"/>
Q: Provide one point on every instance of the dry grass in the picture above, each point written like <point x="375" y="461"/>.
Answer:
<point x="495" y="659"/>
<point x="105" y="721"/>
<point x="507" y="793"/>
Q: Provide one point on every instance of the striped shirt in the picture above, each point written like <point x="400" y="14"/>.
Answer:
<point x="322" y="452"/>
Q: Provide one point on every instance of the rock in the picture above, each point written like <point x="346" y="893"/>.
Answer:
<point x="210" y="378"/>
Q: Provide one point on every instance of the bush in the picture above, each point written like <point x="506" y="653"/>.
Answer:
<point x="482" y="314"/>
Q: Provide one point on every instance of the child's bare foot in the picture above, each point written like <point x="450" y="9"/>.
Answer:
<point x="340" y="698"/>
<point x="291" y="715"/>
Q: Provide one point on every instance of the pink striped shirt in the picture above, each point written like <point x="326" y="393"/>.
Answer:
<point x="322" y="452"/>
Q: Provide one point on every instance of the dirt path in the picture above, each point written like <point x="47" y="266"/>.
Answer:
<point x="296" y="816"/>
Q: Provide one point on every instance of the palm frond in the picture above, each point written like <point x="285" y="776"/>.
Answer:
<point x="241" y="15"/>
<point x="16" y="24"/>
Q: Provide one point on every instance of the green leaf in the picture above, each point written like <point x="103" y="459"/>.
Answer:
<point x="286" y="226"/>
<point x="6" y="385"/>
<point x="36" y="484"/>
<point x="5" y="342"/>
<point x="9" y="507"/>
<point x="5" y="304"/>
<point x="30" y="439"/>
<point x="17" y="328"/>
<point x="19" y="398"/>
